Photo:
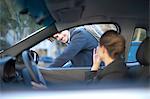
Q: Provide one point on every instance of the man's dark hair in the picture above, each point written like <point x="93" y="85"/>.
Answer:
<point x="113" y="42"/>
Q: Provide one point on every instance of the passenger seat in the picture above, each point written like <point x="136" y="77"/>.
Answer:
<point x="143" y="57"/>
<point x="141" y="72"/>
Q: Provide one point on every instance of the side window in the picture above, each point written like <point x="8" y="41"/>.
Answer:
<point x="138" y="37"/>
<point x="48" y="50"/>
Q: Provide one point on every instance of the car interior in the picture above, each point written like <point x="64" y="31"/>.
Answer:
<point x="19" y="64"/>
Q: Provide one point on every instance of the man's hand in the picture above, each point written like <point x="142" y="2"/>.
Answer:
<point x="38" y="86"/>
<point x="51" y="39"/>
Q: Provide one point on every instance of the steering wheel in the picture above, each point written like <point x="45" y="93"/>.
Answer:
<point x="34" y="56"/>
<point x="33" y="70"/>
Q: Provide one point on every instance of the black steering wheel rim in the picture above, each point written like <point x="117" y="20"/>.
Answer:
<point x="33" y="70"/>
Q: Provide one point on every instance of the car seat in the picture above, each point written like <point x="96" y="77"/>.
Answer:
<point x="141" y="72"/>
<point x="143" y="57"/>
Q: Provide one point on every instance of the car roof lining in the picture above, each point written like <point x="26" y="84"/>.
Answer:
<point x="70" y="11"/>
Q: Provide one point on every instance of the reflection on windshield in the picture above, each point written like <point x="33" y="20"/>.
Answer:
<point x="13" y="26"/>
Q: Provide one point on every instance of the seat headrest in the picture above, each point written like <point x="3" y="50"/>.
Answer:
<point x="143" y="52"/>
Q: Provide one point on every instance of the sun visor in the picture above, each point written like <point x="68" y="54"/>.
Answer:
<point x="69" y="15"/>
<point x="66" y="11"/>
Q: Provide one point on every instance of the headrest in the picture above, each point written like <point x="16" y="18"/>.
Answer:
<point x="143" y="52"/>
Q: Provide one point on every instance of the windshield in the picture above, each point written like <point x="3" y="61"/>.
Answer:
<point x="14" y="26"/>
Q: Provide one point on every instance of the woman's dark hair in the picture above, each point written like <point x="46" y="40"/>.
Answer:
<point x="113" y="42"/>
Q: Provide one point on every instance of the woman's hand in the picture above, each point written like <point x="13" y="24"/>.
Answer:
<point x="96" y="59"/>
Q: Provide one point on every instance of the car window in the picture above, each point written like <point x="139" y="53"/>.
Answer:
<point x="138" y="37"/>
<point x="14" y="26"/>
<point x="48" y="50"/>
